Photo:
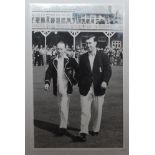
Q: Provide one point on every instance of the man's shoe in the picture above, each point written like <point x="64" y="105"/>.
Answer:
<point x="94" y="133"/>
<point x="82" y="137"/>
<point x="61" y="132"/>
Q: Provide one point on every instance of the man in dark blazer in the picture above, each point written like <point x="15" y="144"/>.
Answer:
<point x="93" y="76"/>
<point x="61" y="69"/>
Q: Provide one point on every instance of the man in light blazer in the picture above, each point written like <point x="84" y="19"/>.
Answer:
<point x="61" y="69"/>
<point x="93" y="76"/>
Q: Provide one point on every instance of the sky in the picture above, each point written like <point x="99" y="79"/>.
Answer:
<point x="79" y="8"/>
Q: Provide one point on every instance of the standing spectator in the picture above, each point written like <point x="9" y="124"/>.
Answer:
<point x="111" y="55"/>
<point x="37" y="56"/>
<point x="41" y="58"/>
<point x="116" y="56"/>
<point x="48" y="55"/>
<point x="44" y="56"/>
<point x="33" y="54"/>
<point x="54" y="51"/>
<point x="121" y="56"/>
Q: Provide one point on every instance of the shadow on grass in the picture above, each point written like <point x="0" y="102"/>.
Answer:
<point x="54" y="128"/>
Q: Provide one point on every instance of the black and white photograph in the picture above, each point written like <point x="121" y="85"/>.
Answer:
<point x="77" y="61"/>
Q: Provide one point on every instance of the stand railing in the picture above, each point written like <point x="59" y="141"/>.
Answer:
<point x="77" y="26"/>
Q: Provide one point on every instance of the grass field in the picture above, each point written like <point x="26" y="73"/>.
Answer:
<point x="46" y="118"/>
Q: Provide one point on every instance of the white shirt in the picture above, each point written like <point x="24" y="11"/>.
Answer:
<point x="42" y="52"/>
<point x="91" y="59"/>
<point x="62" y="80"/>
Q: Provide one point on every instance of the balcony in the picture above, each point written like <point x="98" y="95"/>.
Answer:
<point x="81" y="27"/>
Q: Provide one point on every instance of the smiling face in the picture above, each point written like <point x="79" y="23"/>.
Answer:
<point x="91" y="44"/>
<point x="61" y="49"/>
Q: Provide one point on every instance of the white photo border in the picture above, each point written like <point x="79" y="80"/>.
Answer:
<point x="29" y="128"/>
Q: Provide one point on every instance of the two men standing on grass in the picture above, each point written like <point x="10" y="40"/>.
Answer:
<point x="92" y="75"/>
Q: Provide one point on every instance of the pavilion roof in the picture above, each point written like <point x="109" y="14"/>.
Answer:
<point x="89" y="9"/>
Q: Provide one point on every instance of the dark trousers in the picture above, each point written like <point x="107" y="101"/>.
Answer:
<point x="36" y="61"/>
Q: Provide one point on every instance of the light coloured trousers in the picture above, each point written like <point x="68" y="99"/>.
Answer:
<point x="86" y="102"/>
<point x="63" y="103"/>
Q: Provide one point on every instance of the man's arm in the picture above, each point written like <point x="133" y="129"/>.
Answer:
<point x="76" y="69"/>
<point x="107" y="70"/>
<point x="48" y="76"/>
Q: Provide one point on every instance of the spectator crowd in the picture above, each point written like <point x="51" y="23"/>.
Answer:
<point x="42" y="56"/>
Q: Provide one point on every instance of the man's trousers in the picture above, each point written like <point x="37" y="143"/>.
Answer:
<point x="86" y="102"/>
<point x="63" y="103"/>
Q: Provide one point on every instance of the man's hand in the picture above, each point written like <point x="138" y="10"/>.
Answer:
<point x="46" y="87"/>
<point x="104" y="85"/>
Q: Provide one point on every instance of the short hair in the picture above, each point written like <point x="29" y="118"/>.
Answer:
<point x="61" y="42"/>
<point x="92" y="36"/>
